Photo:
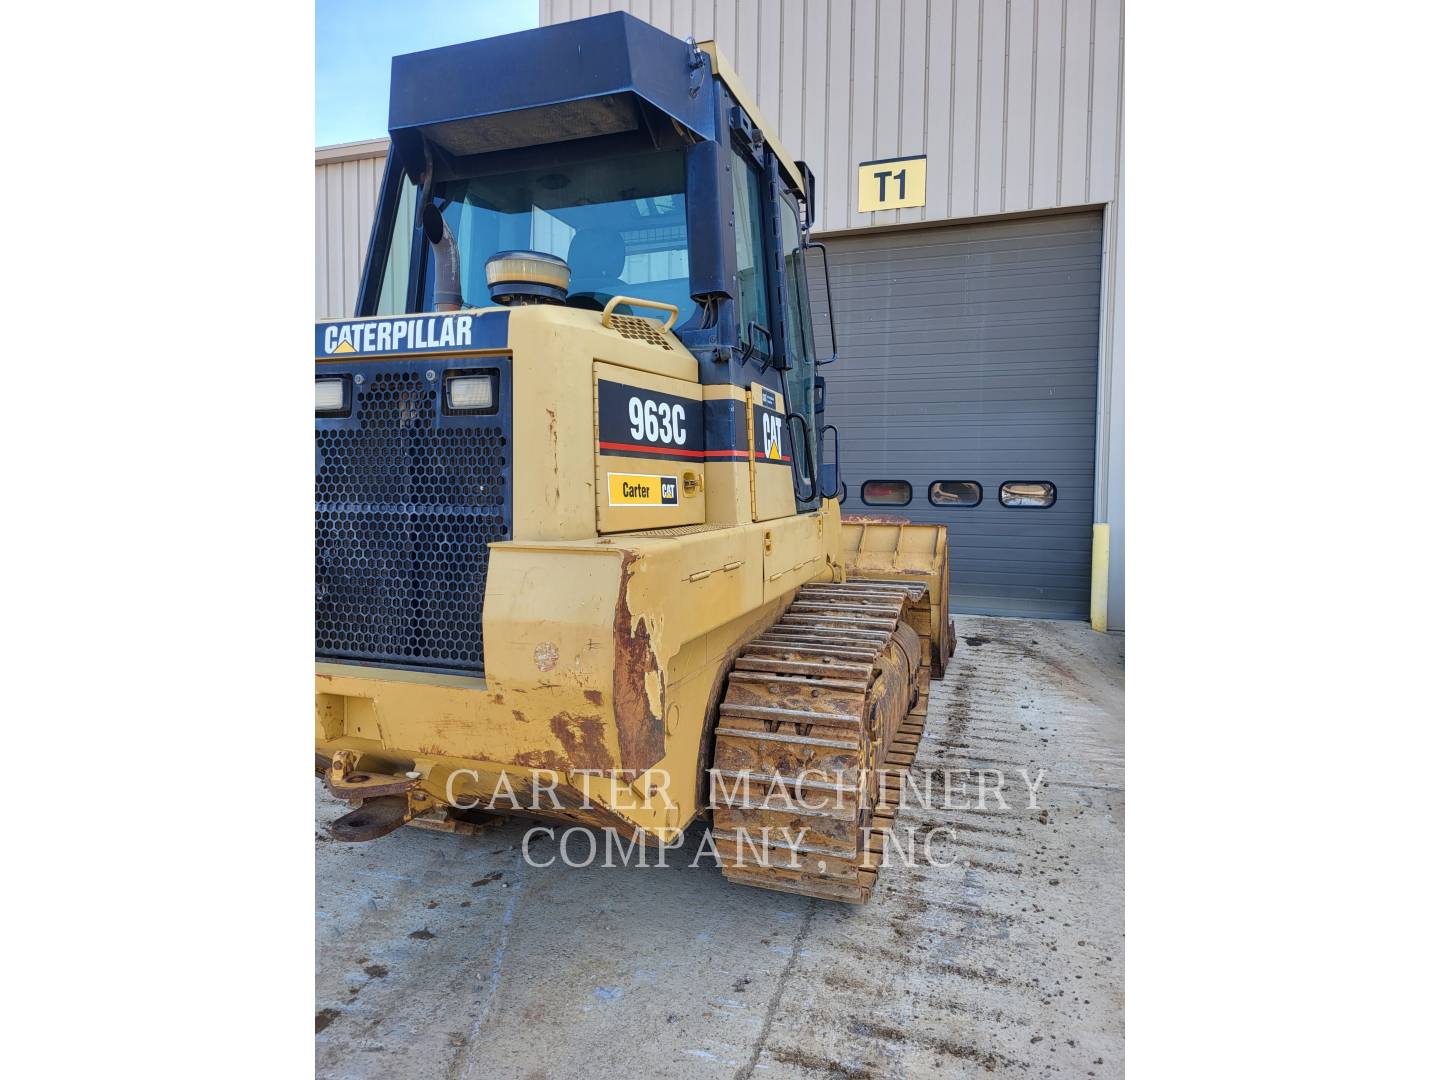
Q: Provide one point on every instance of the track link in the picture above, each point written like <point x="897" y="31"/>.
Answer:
<point x="822" y="714"/>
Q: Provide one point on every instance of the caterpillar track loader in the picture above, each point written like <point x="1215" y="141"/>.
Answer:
<point x="577" y="547"/>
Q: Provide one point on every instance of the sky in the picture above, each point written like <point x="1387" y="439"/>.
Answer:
<point x="355" y="39"/>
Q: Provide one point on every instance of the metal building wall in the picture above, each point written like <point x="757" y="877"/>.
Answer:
<point x="1015" y="104"/>
<point x="347" y="182"/>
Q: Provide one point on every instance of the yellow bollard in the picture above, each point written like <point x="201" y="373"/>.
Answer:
<point x="1100" y="578"/>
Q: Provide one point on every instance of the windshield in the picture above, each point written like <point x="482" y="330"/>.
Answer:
<point x="618" y="222"/>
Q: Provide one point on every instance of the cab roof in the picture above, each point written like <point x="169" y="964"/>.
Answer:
<point x="606" y="75"/>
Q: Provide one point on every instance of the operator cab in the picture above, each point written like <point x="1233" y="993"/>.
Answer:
<point x="651" y="176"/>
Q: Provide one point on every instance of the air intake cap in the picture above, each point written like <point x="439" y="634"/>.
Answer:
<point x="527" y="277"/>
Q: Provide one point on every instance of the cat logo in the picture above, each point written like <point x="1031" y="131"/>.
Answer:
<point x="770" y="434"/>
<point x="767" y="431"/>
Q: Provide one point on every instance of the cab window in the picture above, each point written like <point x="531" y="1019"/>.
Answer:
<point x="754" y="302"/>
<point x="397" y="265"/>
<point x="618" y="222"/>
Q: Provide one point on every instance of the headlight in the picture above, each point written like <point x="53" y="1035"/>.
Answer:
<point x="332" y="395"/>
<point x="469" y="393"/>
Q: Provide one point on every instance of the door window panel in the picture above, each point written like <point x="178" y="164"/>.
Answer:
<point x="955" y="493"/>
<point x="1033" y="493"/>
<point x="885" y="493"/>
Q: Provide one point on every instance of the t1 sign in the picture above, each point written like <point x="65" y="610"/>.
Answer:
<point x="892" y="184"/>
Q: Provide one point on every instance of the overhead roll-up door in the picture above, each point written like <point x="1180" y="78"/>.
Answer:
<point x="969" y="357"/>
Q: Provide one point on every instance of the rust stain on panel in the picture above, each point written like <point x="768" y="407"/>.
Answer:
<point x="640" y="726"/>
<point x="542" y="759"/>
<point x="583" y="738"/>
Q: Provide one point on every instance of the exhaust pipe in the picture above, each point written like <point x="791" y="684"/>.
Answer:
<point x="447" y="253"/>
<point x="447" y="259"/>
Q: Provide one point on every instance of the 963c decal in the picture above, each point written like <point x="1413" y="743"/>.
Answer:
<point x="648" y="423"/>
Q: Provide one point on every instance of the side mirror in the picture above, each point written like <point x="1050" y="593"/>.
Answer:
<point x="829" y="298"/>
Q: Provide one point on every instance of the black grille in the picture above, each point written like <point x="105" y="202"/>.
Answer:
<point x="406" y="501"/>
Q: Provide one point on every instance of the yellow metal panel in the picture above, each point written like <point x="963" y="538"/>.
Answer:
<point x="554" y="350"/>
<point x="1100" y="578"/>
<point x="794" y="552"/>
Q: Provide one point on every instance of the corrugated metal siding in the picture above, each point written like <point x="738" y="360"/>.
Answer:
<point x="346" y="188"/>
<point x="1015" y="104"/>
<point x="968" y="352"/>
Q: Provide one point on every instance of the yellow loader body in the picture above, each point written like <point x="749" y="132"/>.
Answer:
<point x="578" y="552"/>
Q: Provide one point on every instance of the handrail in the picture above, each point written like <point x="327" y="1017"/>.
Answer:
<point x="839" y="481"/>
<point x="615" y="301"/>
<point x="812" y="482"/>
<point x="748" y="348"/>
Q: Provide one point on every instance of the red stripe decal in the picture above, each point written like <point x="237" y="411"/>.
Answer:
<point x="675" y="451"/>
